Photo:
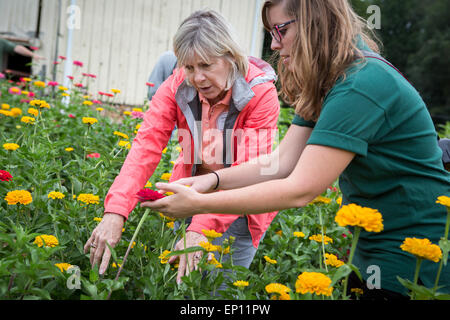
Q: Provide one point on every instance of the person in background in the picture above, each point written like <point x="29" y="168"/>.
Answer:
<point x="357" y="119"/>
<point x="164" y="67"/>
<point x="8" y="47"/>
<point x="226" y="108"/>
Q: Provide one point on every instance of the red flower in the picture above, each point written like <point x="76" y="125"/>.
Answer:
<point x="62" y="57"/>
<point x="79" y="85"/>
<point x="78" y="63"/>
<point x="149" y="195"/>
<point x="5" y="176"/>
<point x="53" y="83"/>
<point x="70" y="77"/>
<point x="150" y="84"/>
<point x="93" y="155"/>
<point x="34" y="48"/>
<point x="71" y="116"/>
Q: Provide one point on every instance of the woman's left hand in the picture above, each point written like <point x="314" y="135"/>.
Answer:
<point x="183" y="203"/>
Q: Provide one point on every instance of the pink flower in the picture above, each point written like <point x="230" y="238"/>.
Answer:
<point x="71" y="116"/>
<point x="2" y="76"/>
<point x="96" y="101"/>
<point x="5" y="176"/>
<point x="92" y="75"/>
<point x="34" y="48"/>
<point x="150" y="84"/>
<point x="31" y="94"/>
<point x="52" y="83"/>
<point x="137" y="115"/>
<point x="93" y="155"/>
<point x="149" y="195"/>
<point x="62" y="57"/>
<point x="15" y="90"/>
<point x="79" y="85"/>
<point x="56" y="62"/>
<point x="78" y="63"/>
<point x="24" y="100"/>
<point x="70" y="77"/>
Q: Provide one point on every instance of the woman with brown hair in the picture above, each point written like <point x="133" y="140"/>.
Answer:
<point x="357" y="119"/>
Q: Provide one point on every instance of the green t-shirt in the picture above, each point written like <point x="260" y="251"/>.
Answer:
<point x="5" y="47"/>
<point x="398" y="170"/>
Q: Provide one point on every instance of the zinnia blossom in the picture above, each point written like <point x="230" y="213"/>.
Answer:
<point x="369" y="219"/>
<point x="211" y="234"/>
<point x="55" y="195"/>
<point x="33" y="111"/>
<point x="78" y="63"/>
<point x="46" y="240"/>
<point x="93" y="155"/>
<point x="115" y="90"/>
<point x="281" y="291"/>
<point x="69" y="149"/>
<point x="166" y="176"/>
<point x="124" y="143"/>
<point x="15" y="90"/>
<point x="269" y="260"/>
<point x="5" y="176"/>
<point x="422" y="248"/>
<point x="63" y="266"/>
<point x="149" y="195"/>
<point x="87" y="103"/>
<point x="39" y="103"/>
<point x="444" y="200"/>
<point x="19" y="196"/>
<point x="120" y="134"/>
<point x="39" y="83"/>
<point x="321" y="199"/>
<point x="163" y="256"/>
<point x="318" y="238"/>
<point x="314" y="282"/>
<point x="26" y="119"/>
<point x="89" y="120"/>
<point x="332" y="260"/>
<point x="88" y="198"/>
<point x="240" y="284"/>
<point x="11" y="146"/>
<point x="299" y="234"/>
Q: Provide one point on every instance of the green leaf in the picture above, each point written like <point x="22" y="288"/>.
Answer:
<point x="444" y="244"/>
<point x="93" y="274"/>
<point x="341" y="272"/>
<point x="356" y="270"/>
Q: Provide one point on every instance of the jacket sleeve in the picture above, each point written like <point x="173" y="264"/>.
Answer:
<point x="253" y="139"/>
<point x="145" y="152"/>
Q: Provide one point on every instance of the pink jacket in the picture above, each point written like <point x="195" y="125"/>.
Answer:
<point x="249" y="130"/>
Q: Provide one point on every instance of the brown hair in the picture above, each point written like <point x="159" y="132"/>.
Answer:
<point x="324" y="47"/>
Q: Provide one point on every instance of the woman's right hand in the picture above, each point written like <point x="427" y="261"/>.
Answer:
<point x="109" y="230"/>
<point x="202" y="184"/>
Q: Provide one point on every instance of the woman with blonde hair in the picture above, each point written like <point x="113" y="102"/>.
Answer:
<point x="357" y="119"/>
<point x="224" y="104"/>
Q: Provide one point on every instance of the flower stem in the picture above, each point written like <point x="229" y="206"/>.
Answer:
<point x="322" y="258"/>
<point x="442" y="260"/>
<point x="416" y="276"/>
<point x="352" y="253"/>
<point x="147" y="211"/>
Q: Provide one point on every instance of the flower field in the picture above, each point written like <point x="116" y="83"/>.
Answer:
<point x="57" y="162"/>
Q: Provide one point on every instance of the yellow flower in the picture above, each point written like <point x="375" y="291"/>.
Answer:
<point x="271" y="261"/>
<point x="33" y="111"/>
<point x="63" y="266"/>
<point x="321" y="199"/>
<point x="240" y="284"/>
<point x="11" y="146"/>
<point x="19" y="196"/>
<point x="115" y="90"/>
<point x="444" y="200"/>
<point x="166" y="176"/>
<point x="123" y="143"/>
<point x="89" y="120"/>
<point x="46" y="240"/>
<point x="62" y="88"/>
<point x="313" y="282"/>
<point x="25" y="79"/>
<point x="127" y="113"/>
<point x="164" y="150"/>
<point x="39" y="103"/>
<point x="70" y="149"/>
<point x="163" y="257"/>
<point x="281" y="291"/>
<point x="369" y="219"/>
<point x="5" y="106"/>
<point x="332" y="260"/>
<point x="55" y="195"/>
<point x="87" y="103"/>
<point x="97" y="219"/>
<point x="214" y="261"/>
<point x="64" y="94"/>
<point x="170" y="224"/>
<point x="211" y="234"/>
<point x="16" y="112"/>
<point x="137" y="109"/>
<point x="208" y="246"/>
<point x="88" y="198"/>
<point x="339" y="201"/>
<point x="318" y="238"/>
<point x="6" y="113"/>
<point x="148" y="185"/>
<point x="422" y="248"/>
<point x="26" y="119"/>
<point x="299" y="234"/>
<point x="99" y="109"/>
<point x="39" y="83"/>
<point x="166" y="217"/>
<point x="358" y="291"/>
<point x="114" y="265"/>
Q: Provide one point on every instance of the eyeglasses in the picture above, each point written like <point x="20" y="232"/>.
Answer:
<point x="276" y="32"/>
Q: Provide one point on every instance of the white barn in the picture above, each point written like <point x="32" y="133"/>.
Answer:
<point x="119" y="41"/>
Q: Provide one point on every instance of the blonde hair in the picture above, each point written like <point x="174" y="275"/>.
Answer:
<point x="207" y="34"/>
<point x="324" y="47"/>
